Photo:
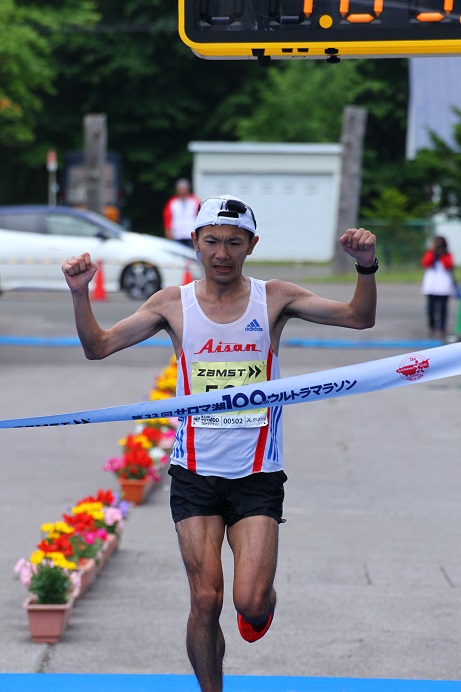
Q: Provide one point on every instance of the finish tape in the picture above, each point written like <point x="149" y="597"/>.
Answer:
<point x="386" y="373"/>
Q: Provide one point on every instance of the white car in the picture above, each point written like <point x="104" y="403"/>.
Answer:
<point x="36" y="239"/>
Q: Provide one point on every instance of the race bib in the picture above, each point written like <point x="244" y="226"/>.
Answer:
<point x="209" y="376"/>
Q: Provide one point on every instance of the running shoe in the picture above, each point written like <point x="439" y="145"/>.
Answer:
<point x="251" y="633"/>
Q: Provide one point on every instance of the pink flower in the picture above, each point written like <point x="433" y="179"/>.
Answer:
<point x="155" y="475"/>
<point x="167" y="439"/>
<point x="24" y="570"/>
<point x="112" y="515"/>
<point x="75" y="579"/>
<point x="102" y="534"/>
<point x="19" y="565"/>
<point x="114" y="464"/>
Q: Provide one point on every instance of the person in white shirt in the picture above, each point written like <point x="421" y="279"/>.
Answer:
<point x="179" y="214"/>
<point x="438" y="285"/>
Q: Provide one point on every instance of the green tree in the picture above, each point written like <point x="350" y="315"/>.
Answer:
<point x="156" y="94"/>
<point x="401" y="228"/>
<point x="300" y="101"/>
<point x="303" y="101"/>
<point x="27" y="75"/>
<point x="435" y="173"/>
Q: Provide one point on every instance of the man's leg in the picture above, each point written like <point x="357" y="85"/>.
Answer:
<point x="443" y="313"/>
<point x="200" y="542"/>
<point x="254" y="542"/>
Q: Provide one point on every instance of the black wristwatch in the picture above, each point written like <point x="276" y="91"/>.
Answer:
<point x="368" y="270"/>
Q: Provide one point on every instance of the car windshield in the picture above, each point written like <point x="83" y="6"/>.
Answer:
<point x="90" y="225"/>
<point x="108" y="225"/>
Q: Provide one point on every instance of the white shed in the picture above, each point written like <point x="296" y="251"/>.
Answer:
<point x="293" y="190"/>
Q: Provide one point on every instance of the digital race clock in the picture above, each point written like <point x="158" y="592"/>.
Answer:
<point x="320" y="28"/>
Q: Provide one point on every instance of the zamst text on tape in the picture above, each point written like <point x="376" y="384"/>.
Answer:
<point x="386" y="373"/>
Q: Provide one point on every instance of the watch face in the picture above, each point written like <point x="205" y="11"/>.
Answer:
<point x="320" y="28"/>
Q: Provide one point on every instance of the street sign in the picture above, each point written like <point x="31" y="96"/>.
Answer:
<point x="51" y="161"/>
<point x="332" y="29"/>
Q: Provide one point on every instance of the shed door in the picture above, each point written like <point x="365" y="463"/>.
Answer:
<point x="295" y="214"/>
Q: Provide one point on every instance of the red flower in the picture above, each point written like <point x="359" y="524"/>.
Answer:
<point x="154" y="435"/>
<point x="58" y="545"/>
<point x="105" y="497"/>
<point x="81" y="522"/>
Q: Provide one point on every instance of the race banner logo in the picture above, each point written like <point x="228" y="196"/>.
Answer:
<point x="413" y="367"/>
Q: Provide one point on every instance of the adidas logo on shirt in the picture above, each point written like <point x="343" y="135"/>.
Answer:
<point x="254" y="326"/>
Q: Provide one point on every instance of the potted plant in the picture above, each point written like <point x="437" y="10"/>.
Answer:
<point x="138" y="469"/>
<point x="52" y="582"/>
<point x="109" y="514"/>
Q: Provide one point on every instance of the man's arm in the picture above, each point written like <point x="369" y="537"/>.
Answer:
<point x="291" y="300"/>
<point x="99" y="343"/>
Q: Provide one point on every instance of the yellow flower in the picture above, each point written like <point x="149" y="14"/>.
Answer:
<point x="55" y="530"/>
<point x="56" y="558"/>
<point x="37" y="557"/>
<point x="94" y="509"/>
<point x="143" y="441"/>
<point x="88" y="507"/>
<point x="60" y="561"/>
<point x="47" y="527"/>
<point x="62" y="527"/>
<point x="156" y="395"/>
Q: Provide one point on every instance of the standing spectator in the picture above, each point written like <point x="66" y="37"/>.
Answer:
<point x="438" y="285"/>
<point x="179" y="214"/>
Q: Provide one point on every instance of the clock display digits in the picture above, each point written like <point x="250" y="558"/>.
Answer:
<point x="432" y="15"/>
<point x="360" y="17"/>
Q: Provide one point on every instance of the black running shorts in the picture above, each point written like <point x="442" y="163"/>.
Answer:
<point x="234" y="499"/>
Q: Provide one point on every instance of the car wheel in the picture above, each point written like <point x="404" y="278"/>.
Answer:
<point x="140" y="280"/>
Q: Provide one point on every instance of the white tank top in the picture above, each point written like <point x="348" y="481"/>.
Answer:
<point x="217" y="356"/>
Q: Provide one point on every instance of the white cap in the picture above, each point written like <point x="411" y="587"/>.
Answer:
<point x="225" y="210"/>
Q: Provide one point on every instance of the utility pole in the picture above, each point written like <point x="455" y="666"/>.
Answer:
<point x="352" y="136"/>
<point x="95" y="138"/>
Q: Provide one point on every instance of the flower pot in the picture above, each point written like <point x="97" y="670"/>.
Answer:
<point x="110" y="546"/>
<point x="48" y="621"/>
<point x="134" y="490"/>
<point x="88" y="570"/>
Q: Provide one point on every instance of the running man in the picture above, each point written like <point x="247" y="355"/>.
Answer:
<point x="227" y="469"/>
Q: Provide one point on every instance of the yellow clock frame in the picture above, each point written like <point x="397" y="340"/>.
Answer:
<point x="229" y="45"/>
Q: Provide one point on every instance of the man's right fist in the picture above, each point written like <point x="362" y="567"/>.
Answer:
<point x="79" y="271"/>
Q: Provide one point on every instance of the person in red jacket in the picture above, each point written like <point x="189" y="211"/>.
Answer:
<point x="438" y="285"/>
<point x="179" y="214"/>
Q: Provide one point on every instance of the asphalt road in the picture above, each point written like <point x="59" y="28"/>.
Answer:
<point x="369" y="571"/>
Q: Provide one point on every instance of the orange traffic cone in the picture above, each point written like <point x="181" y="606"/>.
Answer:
<point x="187" y="278"/>
<point x="99" y="292"/>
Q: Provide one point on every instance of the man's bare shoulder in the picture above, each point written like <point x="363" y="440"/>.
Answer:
<point x="164" y="307"/>
<point x="278" y="289"/>
<point x="284" y="299"/>
<point x="165" y="302"/>
<point x="163" y="311"/>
